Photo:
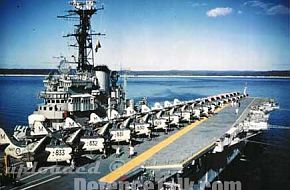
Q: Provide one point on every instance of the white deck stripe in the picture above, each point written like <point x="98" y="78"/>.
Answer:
<point x="40" y="183"/>
<point x="31" y="182"/>
<point x="36" y="173"/>
<point x="242" y="114"/>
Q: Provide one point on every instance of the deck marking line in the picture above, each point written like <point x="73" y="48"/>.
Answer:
<point x="168" y="166"/>
<point x="40" y="183"/>
<point x="34" y="181"/>
<point x="247" y="108"/>
<point x="181" y="164"/>
<point x="122" y="170"/>
<point x="197" y="153"/>
<point x="29" y="176"/>
<point x="211" y="144"/>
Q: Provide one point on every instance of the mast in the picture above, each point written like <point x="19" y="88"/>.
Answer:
<point x="125" y="85"/>
<point x="82" y="12"/>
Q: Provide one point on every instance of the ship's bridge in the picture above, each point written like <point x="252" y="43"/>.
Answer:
<point x="55" y="104"/>
<point x="48" y="95"/>
<point x="77" y="82"/>
<point x="81" y="102"/>
<point x="65" y="84"/>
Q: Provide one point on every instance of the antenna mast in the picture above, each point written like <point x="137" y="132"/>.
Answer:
<point x="83" y="11"/>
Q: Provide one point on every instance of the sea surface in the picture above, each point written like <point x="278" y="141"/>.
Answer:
<point x="265" y="163"/>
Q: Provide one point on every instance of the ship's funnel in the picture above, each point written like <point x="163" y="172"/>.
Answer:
<point x="102" y="73"/>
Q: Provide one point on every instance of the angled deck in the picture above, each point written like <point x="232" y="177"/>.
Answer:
<point x="198" y="139"/>
<point x="183" y="145"/>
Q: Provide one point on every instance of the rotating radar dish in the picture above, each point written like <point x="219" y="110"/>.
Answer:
<point x="64" y="67"/>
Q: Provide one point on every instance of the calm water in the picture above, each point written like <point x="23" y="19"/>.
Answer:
<point x="267" y="166"/>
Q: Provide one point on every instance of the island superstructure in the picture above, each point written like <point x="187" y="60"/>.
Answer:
<point x="92" y="88"/>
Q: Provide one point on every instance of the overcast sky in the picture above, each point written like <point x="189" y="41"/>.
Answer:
<point x="153" y="34"/>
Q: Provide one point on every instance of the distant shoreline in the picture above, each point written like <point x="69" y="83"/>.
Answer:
<point x="162" y="76"/>
<point x="21" y="75"/>
<point x="162" y="73"/>
<point x="202" y="76"/>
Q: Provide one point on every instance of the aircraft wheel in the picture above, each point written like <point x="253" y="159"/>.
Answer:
<point x="149" y="137"/>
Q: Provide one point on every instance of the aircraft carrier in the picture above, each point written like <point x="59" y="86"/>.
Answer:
<point x="86" y="133"/>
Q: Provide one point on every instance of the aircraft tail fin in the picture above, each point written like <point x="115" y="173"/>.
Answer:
<point x="145" y="108"/>
<point x="4" y="138"/>
<point x="126" y="123"/>
<point x="94" y="118"/>
<point x="35" y="146"/>
<point x="103" y="130"/>
<point x="70" y="123"/>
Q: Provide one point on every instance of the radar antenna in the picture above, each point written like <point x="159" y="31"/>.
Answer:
<point x="83" y="11"/>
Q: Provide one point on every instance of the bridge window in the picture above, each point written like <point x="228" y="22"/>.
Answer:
<point x="57" y="101"/>
<point x="50" y="108"/>
<point x="52" y="101"/>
